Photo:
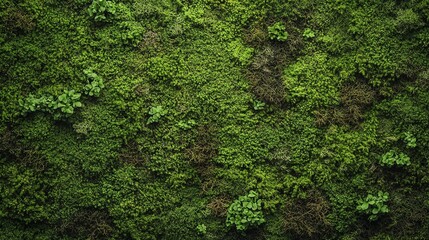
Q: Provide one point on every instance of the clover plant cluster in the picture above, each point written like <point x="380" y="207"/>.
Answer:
<point x="245" y="212"/>
<point x="94" y="87"/>
<point x="156" y="113"/>
<point x="394" y="157"/>
<point x="63" y="105"/>
<point x="374" y="205"/>
<point x="101" y="10"/>
<point x="278" y="32"/>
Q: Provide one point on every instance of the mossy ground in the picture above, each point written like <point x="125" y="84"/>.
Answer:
<point x="304" y="122"/>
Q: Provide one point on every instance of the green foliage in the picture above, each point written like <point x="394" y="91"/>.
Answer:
<point x="62" y="106"/>
<point x="311" y="81"/>
<point x="132" y="32"/>
<point x="32" y="104"/>
<point x="175" y="226"/>
<point x="101" y="10"/>
<point x="240" y="52"/>
<point x="185" y="125"/>
<point x="296" y="186"/>
<point x="410" y="140"/>
<point x="67" y="102"/>
<point x="163" y="68"/>
<point x="374" y="205"/>
<point x="278" y="32"/>
<point x="245" y="212"/>
<point x="23" y="195"/>
<point x="195" y="13"/>
<point x="296" y="103"/>
<point x="308" y="33"/>
<point x="407" y="20"/>
<point x="202" y="229"/>
<point x="343" y="215"/>
<point x="258" y="105"/>
<point x="156" y="113"/>
<point x="135" y="204"/>
<point x="157" y="10"/>
<point x="94" y="87"/>
<point x="393" y="157"/>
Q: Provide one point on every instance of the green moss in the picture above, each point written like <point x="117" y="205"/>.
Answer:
<point x="186" y="105"/>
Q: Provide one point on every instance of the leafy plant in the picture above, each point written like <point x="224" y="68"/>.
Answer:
<point x="278" y="32"/>
<point x="23" y="195"/>
<point x="240" y="52"/>
<point x="308" y="33"/>
<point x="374" y="205"/>
<point x="101" y="9"/>
<point x="410" y="140"/>
<point x="245" y="212"/>
<point x="202" y="229"/>
<point x="407" y="20"/>
<point x="186" y="124"/>
<point x="93" y="88"/>
<point x="156" y="114"/>
<point x="132" y="32"/>
<point x="63" y="105"/>
<point x="393" y="157"/>
<point x="258" y="105"/>
<point x="32" y="103"/>
<point x="67" y="102"/>
<point x="311" y="83"/>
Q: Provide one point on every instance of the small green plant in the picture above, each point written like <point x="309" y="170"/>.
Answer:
<point x="410" y="140"/>
<point x="308" y="33"/>
<point x="258" y="105"/>
<point x="32" y="103"/>
<point x="62" y="106"/>
<point x="240" y="52"/>
<point x="156" y="114"/>
<point x="202" y="229"/>
<point x="94" y="87"/>
<point x="67" y="102"/>
<point x="245" y="212"/>
<point x="101" y="9"/>
<point x="393" y="157"/>
<point x="185" y="125"/>
<point x="278" y="32"/>
<point x="374" y="205"/>
<point x="132" y="32"/>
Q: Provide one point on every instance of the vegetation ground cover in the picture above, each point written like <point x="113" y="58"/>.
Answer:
<point x="214" y="119"/>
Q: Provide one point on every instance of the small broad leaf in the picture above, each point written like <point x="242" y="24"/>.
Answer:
<point x="364" y="206"/>
<point x="62" y="97"/>
<point x="76" y="96"/>
<point x="59" y="105"/>
<point x="254" y="206"/>
<point x="67" y="109"/>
